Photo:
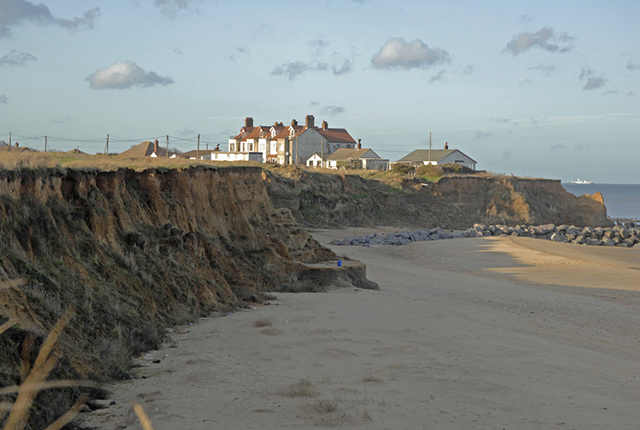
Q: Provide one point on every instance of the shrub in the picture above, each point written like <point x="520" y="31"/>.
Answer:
<point x="405" y="169"/>
<point x="430" y="170"/>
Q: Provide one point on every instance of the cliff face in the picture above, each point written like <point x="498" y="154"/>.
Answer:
<point x="136" y="251"/>
<point x="327" y="200"/>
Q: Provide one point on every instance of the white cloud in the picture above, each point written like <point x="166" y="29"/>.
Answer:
<point x="171" y="8"/>
<point x="593" y="81"/>
<point x="347" y="67"/>
<point x="397" y="53"/>
<point x="16" y="58"/>
<point x="15" y="12"/>
<point x="318" y="46"/>
<point x="332" y="110"/>
<point x="482" y="135"/>
<point x="545" y="69"/>
<point x="610" y="92"/>
<point x="125" y="75"/>
<point x="632" y="66"/>
<point x="297" y="68"/>
<point x="545" y="38"/>
<point x="438" y="76"/>
<point x="3" y="99"/>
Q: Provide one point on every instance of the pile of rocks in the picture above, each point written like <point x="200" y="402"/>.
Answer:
<point x="607" y="236"/>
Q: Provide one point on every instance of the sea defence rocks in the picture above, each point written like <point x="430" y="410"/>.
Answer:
<point x="608" y="236"/>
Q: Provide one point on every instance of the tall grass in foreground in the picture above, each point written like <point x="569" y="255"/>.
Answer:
<point x="34" y="379"/>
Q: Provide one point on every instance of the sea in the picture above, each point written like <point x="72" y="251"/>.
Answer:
<point x="621" y="200"/>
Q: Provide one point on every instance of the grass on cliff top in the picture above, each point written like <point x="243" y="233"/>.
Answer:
<point x="35" y="160"/>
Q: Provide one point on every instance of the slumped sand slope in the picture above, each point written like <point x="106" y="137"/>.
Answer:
<point x="484" y="333"/>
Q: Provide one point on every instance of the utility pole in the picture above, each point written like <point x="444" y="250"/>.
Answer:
<point x="429" y="148"/>
<point x="45" y="143"/>
<point x="198" y="150"/>
<point x="322" y="152"/>
<point x="167" y="146"/>
<point x="9" y="138"/>
<point x="296" y="160"/>
<point x="106" y="146"/>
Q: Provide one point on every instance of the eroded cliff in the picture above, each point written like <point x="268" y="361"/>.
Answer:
<point x="137" y="251"/>
<point x="329" y="200"/>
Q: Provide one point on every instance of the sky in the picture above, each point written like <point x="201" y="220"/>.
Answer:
<point x="539" y="89"/>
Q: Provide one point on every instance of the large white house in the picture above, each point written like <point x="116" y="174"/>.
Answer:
<point x="439" y="156"/>
<point x="292" y="144"/>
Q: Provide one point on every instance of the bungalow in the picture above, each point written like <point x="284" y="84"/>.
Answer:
<point x="439" y="156"/>
<point x="147" y="149"/>
<point x="16" y="148"/>
<point x="217" y="155"/>
<point x="359" y="158"/>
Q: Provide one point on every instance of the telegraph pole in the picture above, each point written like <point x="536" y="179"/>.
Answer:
<point x="45" y="143"/>
<point x="167" y="146"/>
<point x="198" y="150"/>
<point x="106" y="146"/>
<point x="9" y="138"/>
<point x="322" y="152"/>
<point x="429" y="148"/>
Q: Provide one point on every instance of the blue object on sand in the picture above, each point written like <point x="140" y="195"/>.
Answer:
<point x="339" y="263"/>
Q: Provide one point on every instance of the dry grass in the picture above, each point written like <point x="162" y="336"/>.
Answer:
<point x="34" y="379"/>
<point x="332" y="413"/>
<point x="143" y="417"/>
<point x="271" y="331"/>
<point x="302" y="388"/>
<point x="263" y="322"/>
<point x="372" y="378"/>
<point x="35" y="160"/>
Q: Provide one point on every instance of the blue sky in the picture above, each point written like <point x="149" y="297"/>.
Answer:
<point x="542" y="89"/>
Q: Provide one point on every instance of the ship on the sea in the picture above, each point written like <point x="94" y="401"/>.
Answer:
<point x="582" y="182"/>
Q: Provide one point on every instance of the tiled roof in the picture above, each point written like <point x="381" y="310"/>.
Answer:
<point x="350" y="154"/>
<point x="421" y="155"/>
<point x="16" y="149"/>
<point x="336" y="135"/>
<point x="144" y="149"/>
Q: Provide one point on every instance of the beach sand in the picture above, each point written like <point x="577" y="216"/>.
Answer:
<point x="483" y="333"/>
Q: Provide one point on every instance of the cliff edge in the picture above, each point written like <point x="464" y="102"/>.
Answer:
<point x="137" y="251"/>
<point x="323" y="199"/>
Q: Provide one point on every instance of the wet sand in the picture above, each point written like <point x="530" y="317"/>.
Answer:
<point x="483" y="333"/>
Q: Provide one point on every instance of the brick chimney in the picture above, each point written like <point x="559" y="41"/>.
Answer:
<point x="309" y="121"/>
<point x="359" y="144"/>
<point x="248" y="122"/>
<point x="325" y="125"/>
<point x="446" y="145"/>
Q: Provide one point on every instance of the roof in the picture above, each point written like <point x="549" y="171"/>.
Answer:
<point x="421" y="155"/>
<point x="16" y="149"/>
<point x="144" y="149"/>
<point x="337" y="135"/>
<point x="350" y="154"/>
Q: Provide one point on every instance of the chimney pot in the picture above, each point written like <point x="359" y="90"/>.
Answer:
<point x="309" y="121"/>
<point x="294" y="122"/>
<point x="446" y="145"/>
<point x="248" y="122"/>
<point x="359" y="144"/>
<point x="155" y="146"/>
<point x="325" y="125"/>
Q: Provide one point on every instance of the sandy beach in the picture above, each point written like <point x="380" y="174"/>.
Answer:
<point x="483" y="333"/>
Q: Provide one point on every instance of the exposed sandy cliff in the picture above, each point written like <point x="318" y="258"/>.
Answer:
<point x="135" y="251"/>
<point x="326" y="200"/>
